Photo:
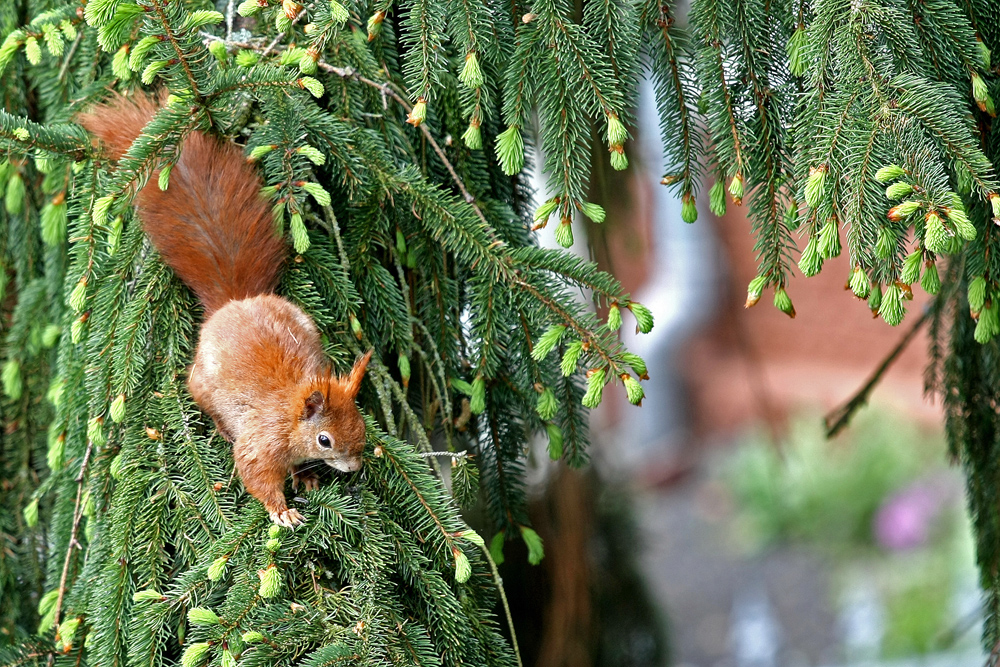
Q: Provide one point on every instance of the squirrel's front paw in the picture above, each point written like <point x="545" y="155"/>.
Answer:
<point x="308" y="480"/>
<point x="287" y="518"/>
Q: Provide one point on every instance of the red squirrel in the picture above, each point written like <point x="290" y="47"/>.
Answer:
<point x="259" y="369"/>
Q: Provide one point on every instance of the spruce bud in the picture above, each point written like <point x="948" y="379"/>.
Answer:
<point x="318" y="193"/>
<point x="904" y="210"/>
<point x="202" y="616"/>
<point x="68" y="29"/>
<point x="246" y="58"/>
<point x="418" y="113"/>
<point x="889" y="172"/>
<point x="637" y="363"/>
<point x="227" y="659"/>
<point x="875" y="299"/>
<point x="101" y="208"/>
<point x="147" y="595"/>
<point x="643" y="317"/>
<point x="614" y="317"/>
<point x="829" y="239"/>
<point x="885" y="243"/>
<point x="250" y="7"/>
<point x="76" y="329"/>
<point x="534" y="543"/>
<point x="977" y="293"/>
<point x="543" y="212"/>
<point x="9" y="47"/>
<point x="791" y="218"/>
<point x="898" y="190"/>
<point x="117" y="464"/>
<point x="471" y="74"/>
<point x="118" y="409"/>
<point x="717" y="199"/>
<point x="307" y="63"/>
<point x="30" y="513"/>
<point x="570" y="358"/>
<point x="988" y="324"/>
<point x="252" y="637"/>
<point x="272" y="545"/>
<point x="473" y="136"/>
<point x="979" y="89"/>
<point x="564" y="233"/>
<point x="911" y="267"/>
<point x="194" y="655"/>
<point x="339" y="13"/>
<point x="616" y="134"/>
<point x="11" y="378"/>
<point x="936" y="237"/>
<point x="797" y="62"/>
<point x="547" y="405"/>
<point x="555" y="446"/>
<point x="314" y="87"/>
<point x="595" y="387"/>
<point x="55" y="391"/>
<point x="931" y="281"/>
<point x="16" y="190"/>
<point x="218" y="50"/>
<point x="477" y="401"/>
<point x="811" y="262"/>
<point x="32" y="51"/>
<point x="633" y="389"/>
<point x="736" y="189"/>
<point x="619" y="161"/>
<point x="963" y="225"/>
<point x="273" y="531"/>
<point x="816" y="185"/>
<point x="270" y="582"/>
<point x="547" y="341"/>
<point x="95" y="431"/>
<point x="510" y="150"/>
<point x="754" y="290"/>
<point x="689" y="212"/>
<point x="151" y="70"/>
<point x="66" y="632"/>
<point x="783" y="302"/>
<point x="891" y="309"/>
<point x="356" y="327"/>
<point x="291" y="9"/>
<point x="404" y="369"/>
<point x="300" y="237"/>
<point x="463" y="570"/>
<point x="163" y="180"/>
<point x="593" y="211"/>
<point x="53" y="39"/>
<point x="496" y="548"/>
<point x="375" y="25"/>
<point x="57" y="450"/>
<point x="314" y="154"/>
<point x="260" y="151"/>
<point x="217" y="568"/>
<point x="78" y="297"/>
<point x="119" y="64"/>
<point x="53" y="220"/>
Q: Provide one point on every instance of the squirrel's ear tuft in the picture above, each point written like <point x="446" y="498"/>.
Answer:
<point x="313" y="404"/>
<point x="353" y="383"/>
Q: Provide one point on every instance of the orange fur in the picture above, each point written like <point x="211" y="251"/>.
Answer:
<point x="259" y="369"/>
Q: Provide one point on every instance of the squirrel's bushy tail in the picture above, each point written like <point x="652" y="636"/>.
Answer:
<point x="210" y="225"/>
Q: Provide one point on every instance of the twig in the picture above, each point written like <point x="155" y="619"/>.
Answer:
<point x="387" y="89"/>
<point x="69" y="55"/>
<point x="838" y="418"/>
<point x="991" y="661"/>
<point x="230" y="10"/>
<point x="281" y="35"/>
<point x="77" y="516"/>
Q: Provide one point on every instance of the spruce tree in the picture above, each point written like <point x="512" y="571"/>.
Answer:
<point x="128" y="538"/>
<point x="391" y="137"/>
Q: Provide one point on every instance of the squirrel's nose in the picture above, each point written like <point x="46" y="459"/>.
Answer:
<point x="353" y="465"/>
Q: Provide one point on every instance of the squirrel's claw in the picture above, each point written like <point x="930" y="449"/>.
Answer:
<point x="287" y="518"/>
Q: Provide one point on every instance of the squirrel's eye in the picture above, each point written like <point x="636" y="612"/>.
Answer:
<point x="324" y="440"/>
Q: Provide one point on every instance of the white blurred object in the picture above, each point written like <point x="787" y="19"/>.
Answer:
<point x="755" y="636"/>
<point x="681" y="293"/>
